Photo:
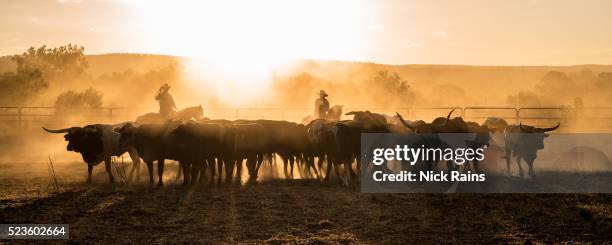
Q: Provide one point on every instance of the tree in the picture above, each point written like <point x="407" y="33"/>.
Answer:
<point x="90" y="98"/>
<point x="524" y="99"/>
<point x="18" y="88"/>
<point x="64" y="62"/>
<point x="36" y="67"/>
<point x="557" y="88"/>
<point x="391" y="88"/>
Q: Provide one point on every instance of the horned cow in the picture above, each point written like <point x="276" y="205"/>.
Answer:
<point x="97" y="143"/>
<point x="524" y="142"/>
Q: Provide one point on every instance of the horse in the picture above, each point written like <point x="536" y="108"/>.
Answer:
<point x="195" y="112"/>
<point x="334" y="114"/>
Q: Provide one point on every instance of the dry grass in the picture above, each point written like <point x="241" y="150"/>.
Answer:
<point x="297" y="211"/>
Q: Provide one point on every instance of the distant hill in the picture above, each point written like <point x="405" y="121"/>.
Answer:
<point x="442" y="84"/>
<point x="119" y="62"/>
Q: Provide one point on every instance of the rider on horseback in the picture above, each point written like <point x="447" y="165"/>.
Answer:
<point x="321" y="105"/>
<point x="167" y="108"/>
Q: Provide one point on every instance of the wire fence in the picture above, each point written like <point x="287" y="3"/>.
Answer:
<point x="22" y="116"/>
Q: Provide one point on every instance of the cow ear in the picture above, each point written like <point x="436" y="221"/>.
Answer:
<point x="350" y="113"/>
<point x="546" y="135"/>
<point x="118" y="129"/>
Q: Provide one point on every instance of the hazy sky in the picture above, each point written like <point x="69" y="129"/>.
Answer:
<point x="480" y="32"/>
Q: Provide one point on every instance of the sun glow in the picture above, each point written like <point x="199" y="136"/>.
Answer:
<point x="239" y="43"/>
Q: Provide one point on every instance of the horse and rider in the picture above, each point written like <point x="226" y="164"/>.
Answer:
<point x="322" y="110"/>
<point x="168" y="109"/>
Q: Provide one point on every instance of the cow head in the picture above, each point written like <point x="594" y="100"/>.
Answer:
<point x="85" y="140"/>
<point x="128" y="134"/>
<point x="534" y="136"/>
<point x="372" y="122"/>
<point x="427" y="128"/>
<point x="482" y="133"/>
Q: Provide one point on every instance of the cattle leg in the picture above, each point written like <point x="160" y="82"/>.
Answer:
<point x="219" y="172"/>
<point x="358" y="165"/>
<point x="299" y="161"/>
<point x="310" y="164"/>
<point x="160" y="172"/>
<point x="238" y="164"/>
<point x="202" y="172"/>
<point x="337" y="170"/>
<point x="186" y="170"/>
<point x="179" y="172"/>
<point x="135" y="165"/>
<point x="211" y="168"/>
<point x="150" y="170"/>
<point x="251" y="165"/>
<point x="291" y="163"/>
<point x="330" y="165"/>
<point x="508" y="154"/>
<point x="347" y="172"/>
<point x="195" y="170"/>
<point x="107" y="164"/>
<point x="229" y="170"/>
<point x="285" y="162"/>
<point x="320" y="162"/>
<point x="476" y="166"/>
<point x="350" y="164"/>
<point x="518" y="162"/>
<point x="89" y="171"/>
<point x="259" y="162"/>
<point x="530" y="163"/>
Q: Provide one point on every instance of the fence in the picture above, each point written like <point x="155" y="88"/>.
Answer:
<point x="528" y="115"/>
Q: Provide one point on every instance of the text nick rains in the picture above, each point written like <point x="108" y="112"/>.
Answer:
<point x="428" y="176"/>
<point x="411" y="155"/>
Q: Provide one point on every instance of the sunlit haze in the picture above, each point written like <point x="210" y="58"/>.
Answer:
<point x="233" y="48"/>
<point x="263" y="33"/>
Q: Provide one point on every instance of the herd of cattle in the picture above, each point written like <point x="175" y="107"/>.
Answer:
<point x="202" y="144"/>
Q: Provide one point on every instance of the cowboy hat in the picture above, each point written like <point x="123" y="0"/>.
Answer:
<point x="322" y="93"/>
<point x="165" y="86"/>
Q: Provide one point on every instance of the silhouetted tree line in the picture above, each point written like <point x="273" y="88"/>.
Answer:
<point x="36" y="68"/>
<point x="557" y="88"/>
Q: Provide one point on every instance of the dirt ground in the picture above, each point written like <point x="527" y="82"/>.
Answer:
<point x="289" y="211"/>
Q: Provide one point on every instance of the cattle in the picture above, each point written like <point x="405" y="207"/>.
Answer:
<point x="523" y="142"/>
<point x="347" y="138"/>
<point x="97" y="143"/>
<point x="428" y="133"/>
<point x="481" y="139"/>
<point x="321" y="138"/>
<point x="496" y="124"/>
<point x="250" y="141"/>
<point x="438" y="125"/>
<point x="200" y="144"/>
<point x="152" y="142"/>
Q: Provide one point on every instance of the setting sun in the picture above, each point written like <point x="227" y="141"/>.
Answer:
<point x="239" y="43"/>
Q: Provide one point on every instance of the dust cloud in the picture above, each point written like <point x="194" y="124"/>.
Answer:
<point x="129" y="82"/>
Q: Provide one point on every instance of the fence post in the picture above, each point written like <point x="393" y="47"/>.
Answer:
<point x="236" y="114"/>
<point x="518" y="115"/>
<point x="110" y="113"/>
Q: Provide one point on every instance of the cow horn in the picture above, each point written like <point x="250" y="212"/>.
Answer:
<point x="524" y="129"/>
<point x="57" y="131"/>
<point x="549" y="129"/>
<point x="404" y="122"/>
<point x="447" y="118"/>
